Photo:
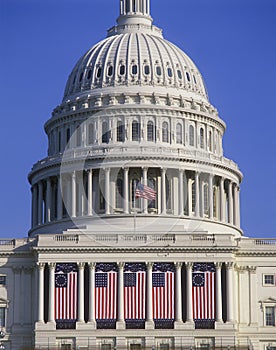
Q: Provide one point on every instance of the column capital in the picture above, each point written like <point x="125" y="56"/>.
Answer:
<point x="74" y="174"/>
<point x="149" y="264"/>
<point x="252" y="269"/>
<point x="121" y="265"/>
<point x="178" y="264"/>
<point x="125" y="168"/>
<point x="181" y="170"/>
<point x="92" y="265"/>
<point x="218" y="265"/>
<point x="40" y="265"/>
<point x="163" y="169"/>
<point x="145" y="168"/>
<point x="189" y="264"/>
<point x="17" y="269"/>
<point x="89" y="171"/>
<point x="106" y="169"/>
<point x="229" y="265"/>
<point x="52" y="265"/>
<point x="81" y="265"/>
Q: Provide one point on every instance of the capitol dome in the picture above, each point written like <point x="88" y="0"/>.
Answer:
<point x="135" y="59"/>
<point x="135" y="112"/>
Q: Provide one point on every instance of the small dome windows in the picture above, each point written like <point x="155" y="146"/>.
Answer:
<point x="81" y="76"/>
<point x="188" y="76"/>
<point x="110" y="71"/>
<point x="89" y="74"/>
<point x="122" y="70"/>
<point x="170" y="72"/>
<point x="134" y="69"/>
<point x="158" y="71"/>
<point x="195" y="80"/>
<point x="146" y="69"/>
<point x="99" y="72"/>
<point x="179" y="74"/>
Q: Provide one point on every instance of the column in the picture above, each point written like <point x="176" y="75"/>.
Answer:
<point x="126" y="191"/>
<point x="40" y="316"/>
<point x="253" y="296"/>
<point x="181" y="193"/>
<point x="90" y="192"/>
<point x="230" y="196"/>
<point x="211" y="197"/>
<point x="52" y="292"/>
<point x="107" y="190"/>
<point x="40" y="203"/>
<point x="189" y="266"/>
<point x="17" y="295"/>
<point x="81" y="292"/>
<point x="190" y="197"/>
<point x="48" y="199"/>
<point x="149" y="313"/>
<point x="178" y="299"/>
<point x="236" y="206"/>
<point x="145" y="182"/>
<point x="59" y="198"/>
<point x="34" y="205"/>
<point x="92" y="319"/>
<point x="218" y="293"/>
<point x="121" y="319"/>
<point x="230" y="299"/>
<point x="197" y="194"/>
<point x="222" y="200"/>
<point x="163" y="190"/>
<point x="73" y="195"/>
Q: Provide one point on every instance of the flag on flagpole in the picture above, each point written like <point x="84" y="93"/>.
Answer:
<point x="143" y="191"/>
<point x="66" y="279"/>
<point x="203" y="280"/>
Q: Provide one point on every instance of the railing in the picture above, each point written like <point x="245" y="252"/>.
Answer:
<point x="265" y="241"/>
<point x="66" y="238"/>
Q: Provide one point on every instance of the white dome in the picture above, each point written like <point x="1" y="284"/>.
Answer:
<point x="135" y="59"/>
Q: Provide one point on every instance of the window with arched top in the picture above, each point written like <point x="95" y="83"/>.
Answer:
<point x="179" y="138"/>
<point x="134" y="69"/>
<point x="193" y="196"/>
<point x="210" y="141"/>
<point x="215" y="202"/>
<point x="78" y="136"/>
<point x="191" y="135"/>
<point x="120" y="131"/>
<point x="150" y="131"/>
<point x="68" y="135"/>
<point x="135" y="131"/>
<point x="146" y="69"/>
<point x="158" y="71"/>
<point x="170" y="72"/>
<point x="89" y="74"/>
<point x="188" y="77"/>
<point x="99" y="72"/>
<point x="179" y="74"/>
<point x="105" y="132"/>
<point x="122" y="69"/>
<point x="165" y="132"/>
<point x="110" y="71"/>
<point x="201" y="137"/>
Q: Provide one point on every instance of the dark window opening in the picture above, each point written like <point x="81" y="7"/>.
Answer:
<point x="68" y="135"/>
<point x="158" y="71"/>
<point x="188" y="76"/>
<point x="179" y="74"/>
<point x="120" y="132"/>
<point x="147" y="70"/>
<point x="135" y="131"/>
<point x="99" y="72"/>
<point x="122" y="69"/>
<point x="110" y="71"/>
<point x="81" y="76"/>
<point x="89" y="74"/>
<point x="134" y="69"/>
<point x="170" y="72"/>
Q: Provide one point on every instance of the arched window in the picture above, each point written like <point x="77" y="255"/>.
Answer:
<point x="215" y="202"/>
<point x="210" y="141"/>
<point x="147" y="69"/>
<point x="120" y="131"/>
<point x="59" y="141"/>
<point x="188" y="76"/>
<point x="68" y="135"/>
<point x="193" y="196"/>
<point x="110" y="71"/>
<point x="170" y="72"/>
<point x="179" y="133"/>
<point x="150" y="131"/>
<point x="179" y="74"/>
<point x="81" y="76"/>
<point x="99" y="72"/>
<point x="105" y="133"/>
<point x="165" y="132"/>
<point x="134" y="69"/>
<point x="158" y="71"/>
<point x="191" y="135"/>
<point x="89" y="74"/>
<point x="135" y="131"/>
<point x="122" y="69"/>
<point x="201" y="138"/>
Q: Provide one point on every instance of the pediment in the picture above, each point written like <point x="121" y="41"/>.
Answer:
<point x="269" y="300"/>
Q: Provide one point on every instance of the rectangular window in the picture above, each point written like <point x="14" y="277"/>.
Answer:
<point x="270" y="316"/>
<point x="269" y="280"/>
<point x="2" y="317"/>
<point x="3" y="280"/>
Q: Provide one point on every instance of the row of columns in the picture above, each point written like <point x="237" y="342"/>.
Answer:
<point x="149" y="311"/>
<point x="227" y="201"/>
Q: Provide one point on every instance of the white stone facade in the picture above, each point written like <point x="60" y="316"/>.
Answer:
<point x="136" y="110"/>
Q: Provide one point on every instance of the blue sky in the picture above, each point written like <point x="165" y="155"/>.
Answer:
<point x="231" y="41"/>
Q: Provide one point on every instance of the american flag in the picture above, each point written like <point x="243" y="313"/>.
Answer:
<point x="106" y="292"/>
<point x="163" y="292"/>
<point x="66" y="280"/>
<point x="134" y="292"/>
<point x="204" y="304"/>
<point x="143" y="191"/>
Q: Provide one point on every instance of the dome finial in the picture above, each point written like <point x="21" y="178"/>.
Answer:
<point x="134" y="12"/>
